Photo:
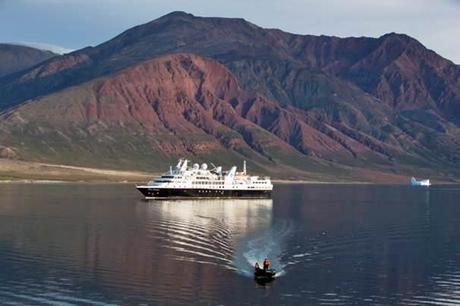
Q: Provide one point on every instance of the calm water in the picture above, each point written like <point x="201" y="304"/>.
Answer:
<point x="101" y="244"/>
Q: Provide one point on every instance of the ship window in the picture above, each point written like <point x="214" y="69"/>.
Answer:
<point x="162" y="181"/>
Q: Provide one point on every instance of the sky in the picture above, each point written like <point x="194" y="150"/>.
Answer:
<point x="74" y="24"/>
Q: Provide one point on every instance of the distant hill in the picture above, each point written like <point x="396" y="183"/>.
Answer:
<point x="14" y="58"/>
<point x="227" y="90"/>
<point x="46" y="47"/>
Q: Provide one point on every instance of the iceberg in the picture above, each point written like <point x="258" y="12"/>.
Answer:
<point x="414" y="182"/>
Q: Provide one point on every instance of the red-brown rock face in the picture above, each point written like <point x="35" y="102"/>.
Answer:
<point x="176" y="105"/>
<point x="227" y="89"/>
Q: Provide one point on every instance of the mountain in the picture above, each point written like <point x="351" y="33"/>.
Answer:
<point x="175" y="105"/>
<point x="226" y="89"/>
<point x="14" y="58"/>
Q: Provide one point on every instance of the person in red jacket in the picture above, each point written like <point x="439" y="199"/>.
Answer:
<point x="266" y="264"/>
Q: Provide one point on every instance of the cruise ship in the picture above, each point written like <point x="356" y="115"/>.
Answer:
<point x="197" y="181"/>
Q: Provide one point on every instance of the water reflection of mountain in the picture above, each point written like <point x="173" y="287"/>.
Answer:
<point x="396" y="244"/>
<point x="122" y="250"/>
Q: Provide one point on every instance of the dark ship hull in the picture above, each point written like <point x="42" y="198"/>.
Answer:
<point x="179" y="193"/>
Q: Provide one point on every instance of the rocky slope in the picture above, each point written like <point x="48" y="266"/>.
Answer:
<point x="290" y="103"/>
<point x="175" y="105"/>
<point x="14" y="58"/>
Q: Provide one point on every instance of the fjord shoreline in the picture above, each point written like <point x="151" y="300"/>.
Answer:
<point x="16" y="171"/>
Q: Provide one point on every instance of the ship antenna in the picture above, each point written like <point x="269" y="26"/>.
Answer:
<point x="244" y="167"/>
<point x="170" y="169"/>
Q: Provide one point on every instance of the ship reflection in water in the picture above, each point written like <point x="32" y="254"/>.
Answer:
<point x="238" y="216"/>
<point x="206" y="231"/>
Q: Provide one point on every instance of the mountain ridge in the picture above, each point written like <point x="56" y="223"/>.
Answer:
<point x="384" y="104"/>
<point x="14" y="58"/>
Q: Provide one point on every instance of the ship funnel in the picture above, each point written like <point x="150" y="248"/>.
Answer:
<point x="244" y="167"/>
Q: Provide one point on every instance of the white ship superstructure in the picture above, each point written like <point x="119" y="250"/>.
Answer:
<point x="199" y="181"/>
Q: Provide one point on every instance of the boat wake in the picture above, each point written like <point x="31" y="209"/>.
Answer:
<point x="266" y="244"/>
